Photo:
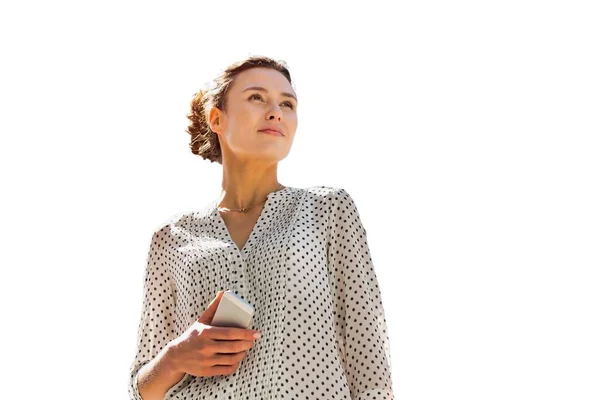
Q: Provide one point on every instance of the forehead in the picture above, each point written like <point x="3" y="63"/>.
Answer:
<point x="268" y="78"/>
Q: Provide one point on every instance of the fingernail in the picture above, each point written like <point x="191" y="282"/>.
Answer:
<point x="257" y="335"/>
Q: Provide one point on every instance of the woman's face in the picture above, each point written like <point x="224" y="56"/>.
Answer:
<point x="260" y="98"/>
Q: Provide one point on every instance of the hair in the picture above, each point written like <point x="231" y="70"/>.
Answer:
<point x="203" y="141"/>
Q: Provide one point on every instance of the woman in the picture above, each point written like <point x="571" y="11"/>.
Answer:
<point x="299" y="256"/>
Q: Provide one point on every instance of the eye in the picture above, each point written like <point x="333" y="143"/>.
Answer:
<point x="259" y="97"/>
<point x="255" y="95"/>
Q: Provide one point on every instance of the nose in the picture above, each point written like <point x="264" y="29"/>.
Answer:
<point x="274" y="113"/>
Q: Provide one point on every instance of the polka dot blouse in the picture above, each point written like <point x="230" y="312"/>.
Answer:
<point x="306" y="268"/>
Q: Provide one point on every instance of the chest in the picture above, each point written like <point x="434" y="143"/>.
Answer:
<point x="240" y="226"/>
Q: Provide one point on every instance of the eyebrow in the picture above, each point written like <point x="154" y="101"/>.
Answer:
<point x="262" y="89"/>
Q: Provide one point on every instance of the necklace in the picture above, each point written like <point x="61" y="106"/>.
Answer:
<point x="245" y="209"/>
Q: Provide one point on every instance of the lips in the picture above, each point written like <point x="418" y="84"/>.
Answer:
<point x="273" y="132"/>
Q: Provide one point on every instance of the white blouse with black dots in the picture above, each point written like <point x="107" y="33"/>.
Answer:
<point x="307" y="270"/>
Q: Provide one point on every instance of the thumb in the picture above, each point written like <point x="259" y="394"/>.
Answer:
<point x="209" y="313"/>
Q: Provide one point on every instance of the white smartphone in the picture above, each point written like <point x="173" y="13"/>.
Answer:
<point x="233" y="311"/>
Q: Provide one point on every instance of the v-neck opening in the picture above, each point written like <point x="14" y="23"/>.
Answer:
<point x="251" y="238"/>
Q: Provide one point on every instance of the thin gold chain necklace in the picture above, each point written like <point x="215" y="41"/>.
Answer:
<point x="245" y="209"/>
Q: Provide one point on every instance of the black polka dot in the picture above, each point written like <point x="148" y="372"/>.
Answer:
<point x="307" y="270"/>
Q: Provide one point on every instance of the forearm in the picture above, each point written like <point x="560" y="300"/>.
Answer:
<point x="158" y="376"/>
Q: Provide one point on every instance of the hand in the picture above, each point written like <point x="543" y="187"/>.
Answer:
<point x="206" y="350"/>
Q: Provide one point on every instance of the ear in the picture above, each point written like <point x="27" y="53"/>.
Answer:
<point x="215" y="119"/>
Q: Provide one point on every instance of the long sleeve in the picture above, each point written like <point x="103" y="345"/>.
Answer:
<point x="359" y="316"/>
<point x="157" y="323"/>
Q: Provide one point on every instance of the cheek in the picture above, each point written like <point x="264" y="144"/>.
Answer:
<point x="293" y="122"/>
<point x="244" y="120"/>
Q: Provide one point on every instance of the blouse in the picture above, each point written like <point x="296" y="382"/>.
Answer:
<point x="307" y="270"/>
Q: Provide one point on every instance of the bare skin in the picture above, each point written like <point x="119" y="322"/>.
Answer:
<point x="249" y="158"/>
<point x="202" y="350"/>
<point x="240" y="225"/>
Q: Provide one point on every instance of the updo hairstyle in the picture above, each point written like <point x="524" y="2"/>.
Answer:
<point x="203" y="141"/>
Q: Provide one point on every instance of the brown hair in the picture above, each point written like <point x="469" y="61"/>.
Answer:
<point x="204" y="142"/>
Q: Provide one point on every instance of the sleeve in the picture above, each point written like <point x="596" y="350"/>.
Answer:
<point x="359" y="315"/>
<point x="157" y="322"/>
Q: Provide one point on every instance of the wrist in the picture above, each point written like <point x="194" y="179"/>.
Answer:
<point x="168" y="360"/>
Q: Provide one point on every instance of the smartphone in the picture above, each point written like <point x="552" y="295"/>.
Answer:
<point x="233" y="311"/>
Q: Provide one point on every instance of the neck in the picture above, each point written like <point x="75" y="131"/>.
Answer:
<point x="247" y="186"/>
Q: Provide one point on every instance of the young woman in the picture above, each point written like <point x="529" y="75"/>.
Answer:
<point x="299" y="256"/>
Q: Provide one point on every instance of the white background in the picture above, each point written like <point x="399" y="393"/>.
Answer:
<point x="466" y="131"/>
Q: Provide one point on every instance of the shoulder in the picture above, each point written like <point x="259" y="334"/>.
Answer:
<point x="327" y="193"/>
<point x="185" y="221"/>
<point x="334" y="202"/>
<point x="322" y="197"/>
<point x="333" y="195"/>
<point x="171" y="221"/>
<point x="174" y="229"/>
<point x="343" y="211"/>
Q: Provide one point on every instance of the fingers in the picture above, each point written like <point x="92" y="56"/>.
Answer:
<point x="230" y="333"/>
<point x="228" y="359"/>
<point x="222" y="370"/>
<point x="230" y="346"/>
<point x="210" y="311"/>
